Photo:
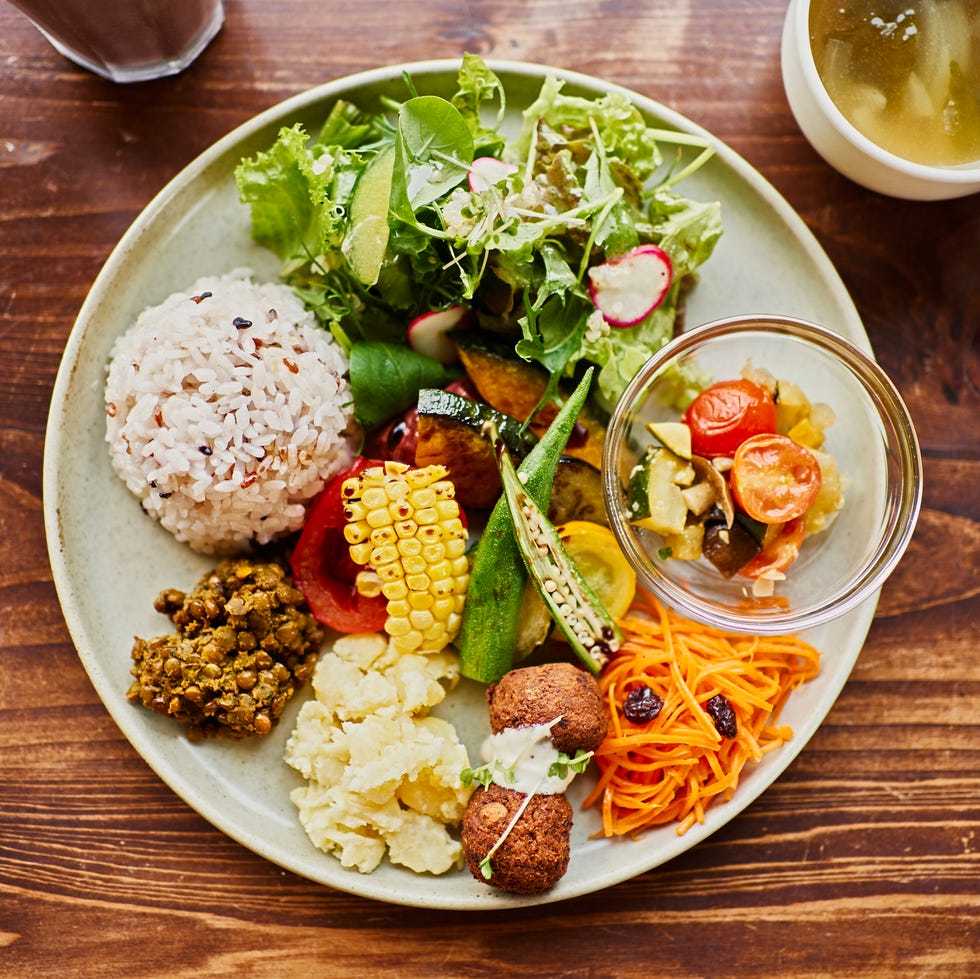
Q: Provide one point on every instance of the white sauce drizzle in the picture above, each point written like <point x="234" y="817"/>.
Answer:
<point x="519" y="759"/>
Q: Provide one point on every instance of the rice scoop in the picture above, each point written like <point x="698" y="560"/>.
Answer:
<point x="227" y="409"/>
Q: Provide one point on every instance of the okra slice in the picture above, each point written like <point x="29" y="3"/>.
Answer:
<point x="590" y="630"/>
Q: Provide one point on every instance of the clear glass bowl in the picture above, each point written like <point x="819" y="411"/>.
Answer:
<point x="872" y="440"/>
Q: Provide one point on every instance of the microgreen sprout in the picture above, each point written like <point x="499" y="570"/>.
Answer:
<point x="576" y="763"/>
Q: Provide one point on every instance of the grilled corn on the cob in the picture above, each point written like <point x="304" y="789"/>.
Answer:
<point x="404" y="525"/>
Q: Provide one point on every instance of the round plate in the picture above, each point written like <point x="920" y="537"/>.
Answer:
<point x="109" y="560"/>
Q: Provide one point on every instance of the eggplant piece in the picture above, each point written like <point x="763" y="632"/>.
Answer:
<point x="577" y="493"/>
<point x="729" y="549"/>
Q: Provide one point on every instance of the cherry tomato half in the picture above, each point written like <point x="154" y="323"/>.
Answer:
<point x="725" y="414"/>
<point x="322" y="567"/>
<point x="773" y="478"/>
<point x="779" y="553"/>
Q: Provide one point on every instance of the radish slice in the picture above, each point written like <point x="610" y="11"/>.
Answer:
<point x="427" y="334"/>
<point x="629" y="287"/>
<point x="487" y="171"/>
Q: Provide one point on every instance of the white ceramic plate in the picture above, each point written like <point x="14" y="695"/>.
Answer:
<point x="109" y="560"/>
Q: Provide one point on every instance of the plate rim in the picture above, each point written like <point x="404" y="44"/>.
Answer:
<point x="859" y="620"/>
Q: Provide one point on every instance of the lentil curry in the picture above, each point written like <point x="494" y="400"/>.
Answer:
<point x="245" y="642"/>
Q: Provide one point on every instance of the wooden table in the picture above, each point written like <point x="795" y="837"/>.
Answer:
<point x="862" y="860"/>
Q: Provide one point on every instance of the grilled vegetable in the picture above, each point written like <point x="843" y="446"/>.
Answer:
<point x="516" y="387"/>
<point x="449" y="434"/>
<point x="577" y="493"/>
<point x="404" y="525"/>
<point x="598" y="558"/>
<point x="492" y="613"/>
<point x="582" y="618"/>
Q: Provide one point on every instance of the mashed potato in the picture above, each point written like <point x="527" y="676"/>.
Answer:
<point x="382" y="775"/>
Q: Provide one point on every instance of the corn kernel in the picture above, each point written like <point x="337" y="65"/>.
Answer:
<point x="455" y="547"/>
<point x="390" y="572"/>
<point x="410" y="547"/>
<point x="434" y="552"/>
<point x="368" y="584"/>
<point x="406" y="528"/>
<point x="436" y="633"/>
<point x="401" y="510"/>
<point x="420" y="478"/>
<point x="422" y="600"/>
<point x="442" y="608"/>
<point x="384" y="555"/>
<point x="430" y="534"/>
<point x="355" y="510"/>
<point x="447" y="509"/>
<point x="443" y="587"/>
<point x="396" y="489"/>
<point x="423" y="498"/>
<point x="444" y="489"/>
<point x="414" y="564"/>
<point x="379" y="518"/>
<point x="399" y="609"/>
<point x="397" y="628"/>
<point x="421" y="619"/>
<point x="354" y="533"/>
<point x="407" y="642"/>
<point x="417" y="582"/>
<point x="361" y="553"/>
<point x="394" y="590"/>
<point x="374" y="498"/>
<point x="442" y="569"/>
<point x="427" y="515"/>
<point x="383" y="535"/>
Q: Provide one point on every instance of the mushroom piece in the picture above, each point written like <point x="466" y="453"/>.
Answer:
<point x="707" y="478"/>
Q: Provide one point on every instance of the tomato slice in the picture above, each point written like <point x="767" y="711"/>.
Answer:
<point x="773" y="478"/>
<point x="322" y="567"/>
<point x="780" y="552"/>
<point x="726" y="413"/>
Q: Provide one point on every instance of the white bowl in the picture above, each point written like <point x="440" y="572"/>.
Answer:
<point x="845" y="148"/>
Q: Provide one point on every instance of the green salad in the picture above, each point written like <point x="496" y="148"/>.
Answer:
<point x="395" y="212"/>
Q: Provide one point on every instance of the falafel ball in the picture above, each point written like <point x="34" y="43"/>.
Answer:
<point x="538" y="694"/>
<point x="535" y="853"/>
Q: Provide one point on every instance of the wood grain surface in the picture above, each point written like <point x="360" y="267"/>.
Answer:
<point x="862" y="860"/>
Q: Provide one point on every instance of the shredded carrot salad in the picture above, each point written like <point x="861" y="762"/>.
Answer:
<point x="673" y="767"/>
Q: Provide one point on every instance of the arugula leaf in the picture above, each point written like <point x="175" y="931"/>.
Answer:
<point x="386" y="378"/>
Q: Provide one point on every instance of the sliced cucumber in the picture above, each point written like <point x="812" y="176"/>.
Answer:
<point x="367" y="240"/>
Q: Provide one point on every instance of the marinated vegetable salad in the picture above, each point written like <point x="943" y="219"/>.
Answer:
<point x="741" y="479"/>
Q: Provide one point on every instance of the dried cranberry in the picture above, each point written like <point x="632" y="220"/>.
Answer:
<point x="642" y="705"/>
<point x="722" y="713"/>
